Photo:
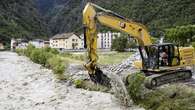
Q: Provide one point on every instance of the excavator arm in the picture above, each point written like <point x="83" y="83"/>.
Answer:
<point x="93" y="14"/>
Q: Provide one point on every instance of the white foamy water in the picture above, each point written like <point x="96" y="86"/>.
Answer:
<point x="25" y="85"/>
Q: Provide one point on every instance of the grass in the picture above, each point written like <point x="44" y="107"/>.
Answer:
<point x="113" y="58"/>
<point x="89" y="85"/>
<point x="104" y="57"/>
<point x="74" y="58"/>
<point x="171" y="97"/>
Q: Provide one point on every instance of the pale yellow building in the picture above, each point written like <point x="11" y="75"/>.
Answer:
<point x="1" y="46"/>
<point x="66" y="41"/>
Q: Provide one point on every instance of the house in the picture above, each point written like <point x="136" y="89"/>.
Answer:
<point x="66" y="41"/>
<point x="104" y="40"/>
<point x="21" y="43"/>
<point x="13" y="44"/>
<point x="82" y="41"/>
<point x="38" y="43"/>
<point x="46" y="43"/>
<point x="1" y="45"/>
<point x="18" y="43"/>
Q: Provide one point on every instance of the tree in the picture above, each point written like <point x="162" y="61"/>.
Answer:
<point x="120" y="43"/>
<point x="131" y="44"/>
<point x="180" y="34"/>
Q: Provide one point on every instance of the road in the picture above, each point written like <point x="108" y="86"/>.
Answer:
<point x="25" y="85"/>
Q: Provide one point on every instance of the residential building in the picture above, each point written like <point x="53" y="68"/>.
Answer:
<point x="104" y="40"/>
<point x="21" y="43"/>
<point x="13" y="44"/>
<point x="82" y="41"/>
<point x="38" y="43"/>
<point x="46" y="43"/>
<point x="1" y="45"/>
<point x="66" y="41"/>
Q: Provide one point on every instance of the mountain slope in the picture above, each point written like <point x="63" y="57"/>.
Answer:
<point x="65" y="15"/>
<point x="20" y="19"/>
<point x="40" y="18"/>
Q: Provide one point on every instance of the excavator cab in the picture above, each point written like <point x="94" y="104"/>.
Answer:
<point x="155" y="57"/>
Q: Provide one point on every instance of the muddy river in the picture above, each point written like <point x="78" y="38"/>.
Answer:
<point x="25" y="85"/>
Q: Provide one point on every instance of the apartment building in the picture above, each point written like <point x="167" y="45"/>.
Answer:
<point x="104" y="40"/>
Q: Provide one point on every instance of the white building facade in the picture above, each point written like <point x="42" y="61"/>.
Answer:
<point x="38" y="43"/>
<point x="105" y="40"/>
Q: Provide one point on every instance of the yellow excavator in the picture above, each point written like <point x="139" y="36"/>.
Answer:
<point x="161" y="63"/>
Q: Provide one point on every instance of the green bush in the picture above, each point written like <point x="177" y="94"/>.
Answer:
<point x="20" y="51"/>
<point x="47" y="57"/>
<point x="57" y="64"/>
<point x="120" y="44"/>
<point x="78" y="83"/>
<point x="35" y="55"/>
<point x="29" y="50"/>
<point x="172" y="97"/>
<point x="44" y="56"/>
<point x="40" y="56"/>
<point x="135" y="82"/>
<point x="51" y="50"/>
<point x="89" y="85"/>
<point x="193" y="44"/>
<point x="180" y="34"/>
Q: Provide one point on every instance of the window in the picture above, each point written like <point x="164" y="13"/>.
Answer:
<point x="72" y="39"/>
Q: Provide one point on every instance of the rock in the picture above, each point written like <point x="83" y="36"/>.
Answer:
<point x="25" y="84"/>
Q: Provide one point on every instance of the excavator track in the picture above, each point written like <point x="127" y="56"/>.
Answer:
<point x="159" y="79"/>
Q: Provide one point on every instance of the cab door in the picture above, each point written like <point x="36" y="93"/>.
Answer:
<point x="176" y="56"/>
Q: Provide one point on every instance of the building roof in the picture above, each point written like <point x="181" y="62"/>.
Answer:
<point x="63" y="36"/>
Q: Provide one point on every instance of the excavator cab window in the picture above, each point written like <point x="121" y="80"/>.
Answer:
<point x="160" y="55"/>
<point x="168" y="55"/>
<point x="149" y="56"/>
<point x="165" y="52"/>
